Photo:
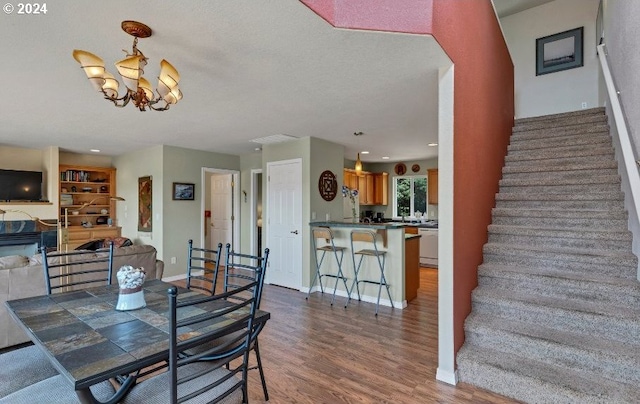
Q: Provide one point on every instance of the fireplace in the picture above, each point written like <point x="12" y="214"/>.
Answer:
<point x="25" y="237"/>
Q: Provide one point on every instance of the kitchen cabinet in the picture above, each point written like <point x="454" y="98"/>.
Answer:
<point x="381" y="188"/>
<point x="411" y="268"/>
<point x="432" y="187"/>
<point x="350" y="179"/>
<point x="372" y="187"/>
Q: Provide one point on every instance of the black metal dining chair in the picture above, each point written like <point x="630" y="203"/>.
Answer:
<point x="211" y="335"/>
<point x="203" y="267"/>
<point x="239" y="269"/>
<point x="27" y="371"/>
<point x="65" y="271"/>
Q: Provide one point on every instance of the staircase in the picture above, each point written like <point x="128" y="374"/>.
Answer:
<point x="556" y="314"/>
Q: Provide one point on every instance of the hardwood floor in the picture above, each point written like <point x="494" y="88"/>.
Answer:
<point x="315" y="353"/>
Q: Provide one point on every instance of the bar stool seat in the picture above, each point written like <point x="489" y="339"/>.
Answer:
<point x="326" y="234"/>
<point x="368" y="236"/>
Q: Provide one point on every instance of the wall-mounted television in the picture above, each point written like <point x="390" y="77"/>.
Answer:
<point x="18" y="185"/>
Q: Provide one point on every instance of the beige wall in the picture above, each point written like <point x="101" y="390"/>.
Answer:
<point x="92" y="160"/>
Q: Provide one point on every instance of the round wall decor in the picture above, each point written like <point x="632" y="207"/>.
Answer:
<point x="415" y="168"/>
<point x="328" y="185"/>
<point x="400" y="169"/>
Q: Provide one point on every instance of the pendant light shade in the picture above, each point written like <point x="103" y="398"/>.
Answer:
<point x="358" y="166"/>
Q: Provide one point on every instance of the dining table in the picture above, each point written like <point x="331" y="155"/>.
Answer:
<point x="89" y="341"/>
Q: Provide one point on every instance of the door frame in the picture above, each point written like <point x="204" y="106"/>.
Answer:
<point x="253" y="232"/>
<point x="236" y="201"/>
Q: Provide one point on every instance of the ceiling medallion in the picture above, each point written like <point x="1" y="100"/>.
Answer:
<point x="137" y="89"/>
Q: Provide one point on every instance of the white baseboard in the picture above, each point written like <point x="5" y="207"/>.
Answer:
<point x="174" y="278"/>
<point x="447" y="376"/>
<point x="354" y="296"/>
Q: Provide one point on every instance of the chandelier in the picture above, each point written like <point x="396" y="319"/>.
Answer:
<point x="138" y="89"/>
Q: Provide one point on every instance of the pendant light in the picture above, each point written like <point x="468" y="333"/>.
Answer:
<point x="358" y="165"/>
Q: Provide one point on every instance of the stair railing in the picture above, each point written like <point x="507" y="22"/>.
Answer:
<point x="626" y="150"/>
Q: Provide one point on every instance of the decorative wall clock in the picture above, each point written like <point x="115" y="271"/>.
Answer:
<point x="328" y="185"/>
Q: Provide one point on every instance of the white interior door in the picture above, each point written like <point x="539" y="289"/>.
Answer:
<point x="221" y="213"/>
<point x="284" y="223"/>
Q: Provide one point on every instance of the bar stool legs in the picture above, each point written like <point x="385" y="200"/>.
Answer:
<point x="338" y="253"/>
<point x="380" y="255"/>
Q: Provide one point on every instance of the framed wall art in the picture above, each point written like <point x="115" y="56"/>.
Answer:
<point x="145" y="204"/>
<point x="560" y="51"/>
<point x="183" y="191"/>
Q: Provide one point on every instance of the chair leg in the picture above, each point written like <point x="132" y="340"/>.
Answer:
<point x="356" y="270"/>
<point x="317" y="276"/>
<point x="339" y="275"/>
<point x="262" y="379"/>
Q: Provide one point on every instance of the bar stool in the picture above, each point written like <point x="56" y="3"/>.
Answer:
<point x="329" y="247"/>
<point x="368" y="236"/>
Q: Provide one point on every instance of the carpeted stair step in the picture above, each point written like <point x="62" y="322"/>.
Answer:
<point x="588" y="167"/>
<point x="614" y="220"/>
<point x="560" y="154"/>
<point x="615" y="264"/>
<point x="534" y="382"/>
<point x="577" y="161"/>
<point x="547" y="133"/>
<point x="562" y="115"/>
<point x="590" y="201"/>
<point x="575" y="316"/>
<point x="593" y="356"/>
<point x="595" y="184"/>
<point x="586" y="237"/>
<point x="547" y="281"/>
<point x="549" y="174"/>
<point x="590" y="140"/>
<point x="554" y="123"/>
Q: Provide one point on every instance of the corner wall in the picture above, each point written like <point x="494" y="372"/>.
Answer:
<point x="468" y="31"/>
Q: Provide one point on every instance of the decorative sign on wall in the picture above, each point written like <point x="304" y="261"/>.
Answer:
<point x="400" y="169"/>
<point x="144" y="204"/>
<point x="328" y="185"/>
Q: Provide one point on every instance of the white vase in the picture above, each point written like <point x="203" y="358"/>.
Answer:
<point x="130" y="301"/>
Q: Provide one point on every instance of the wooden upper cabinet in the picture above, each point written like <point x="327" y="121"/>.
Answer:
<point x="350" y="179"/>
<point x="372" y="187"/>
<point x="432" y="187"/>
<point x="381" y="188"/>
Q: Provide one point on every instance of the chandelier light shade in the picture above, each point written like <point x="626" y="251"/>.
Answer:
<point x="137" y="89"/>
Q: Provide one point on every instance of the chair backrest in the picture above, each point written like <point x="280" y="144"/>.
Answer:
<point x="368" y="236"/>
<point x="65" y="271"/>
<point x="240" y="269"/>
<point x="322" y="233"/>
<point x="221" y="321"/>
<point x="202" y="267"/>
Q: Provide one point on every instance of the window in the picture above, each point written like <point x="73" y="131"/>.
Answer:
<point x="410" y="195"/>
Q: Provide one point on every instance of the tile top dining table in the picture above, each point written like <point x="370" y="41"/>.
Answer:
<point x="88" y="341"/>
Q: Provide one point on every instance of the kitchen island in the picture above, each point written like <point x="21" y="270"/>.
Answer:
<point x="401" y="266"/>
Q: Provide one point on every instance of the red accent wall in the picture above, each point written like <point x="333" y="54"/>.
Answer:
<point x="483" y="117"/>
<point x="469" y="33"/>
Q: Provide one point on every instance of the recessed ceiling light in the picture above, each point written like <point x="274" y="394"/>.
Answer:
<point x="432" y="144"/>
<point x="94" y="151"/>
<point x="364" y="152"/>
<point x="385" y="157"/>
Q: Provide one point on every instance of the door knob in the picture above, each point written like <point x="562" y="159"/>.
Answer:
<point x="294" y="232"/>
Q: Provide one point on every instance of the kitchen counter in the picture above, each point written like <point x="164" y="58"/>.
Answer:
<point x="392" y="239"/>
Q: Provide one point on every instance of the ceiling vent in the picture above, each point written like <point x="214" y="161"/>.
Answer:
<point x="274" y="139"/>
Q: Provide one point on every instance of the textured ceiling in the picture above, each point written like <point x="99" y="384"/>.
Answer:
<point x="249" y="69"/>
<point x="508" y="7"/>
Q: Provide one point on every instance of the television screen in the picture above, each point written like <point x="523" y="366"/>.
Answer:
<point x="20" y="185"/>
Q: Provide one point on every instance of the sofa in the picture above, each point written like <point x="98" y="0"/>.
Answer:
<point x="22" y="276"/>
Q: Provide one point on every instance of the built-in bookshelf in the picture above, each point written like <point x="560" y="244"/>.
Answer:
<point x="86" y="208"/>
